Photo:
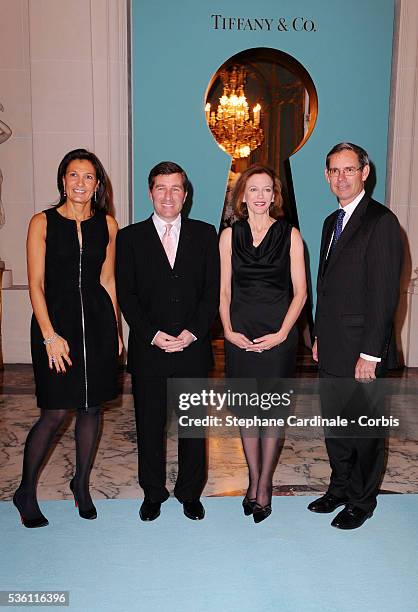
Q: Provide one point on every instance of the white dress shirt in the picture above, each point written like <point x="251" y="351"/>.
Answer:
<point x="160" y="226"/>
<point x="349" y="209"/>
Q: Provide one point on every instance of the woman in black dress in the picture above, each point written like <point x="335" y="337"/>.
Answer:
<point x="263" y="290"/>
<point x="74" y="336"/>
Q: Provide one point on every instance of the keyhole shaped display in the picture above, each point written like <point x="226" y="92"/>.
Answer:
<point x="273" y="122"/>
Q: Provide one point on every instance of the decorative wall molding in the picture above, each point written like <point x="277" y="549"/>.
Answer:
<point x="109" y="34"/>
<point x="402" y="176"/>
<point x="69" y="90"/>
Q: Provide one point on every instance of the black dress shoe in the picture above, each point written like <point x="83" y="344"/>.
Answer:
<point x="149" y="510"/>
<point x="248" y="505"/>
<point x="37" y="520"/>
<point x="89" y="513"/>
<point x="351" y="517"/>
<point x="326" y="503"/>
<point x="194" y="509"/>
<point x="261" y="512"/>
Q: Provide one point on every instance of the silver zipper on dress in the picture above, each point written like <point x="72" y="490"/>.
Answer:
<point x="84" y="329"/>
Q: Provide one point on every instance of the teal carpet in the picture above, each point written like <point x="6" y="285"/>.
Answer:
<point x="294" y="561"/>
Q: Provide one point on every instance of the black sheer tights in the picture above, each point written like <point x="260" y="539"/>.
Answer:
<point x="86" y="434"/>
<point x="262" y="454"/>
<point x="38" y="444"/>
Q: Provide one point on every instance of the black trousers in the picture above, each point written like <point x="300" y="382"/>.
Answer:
<point x="357" y="462"/>
<point x="150" y="399"/>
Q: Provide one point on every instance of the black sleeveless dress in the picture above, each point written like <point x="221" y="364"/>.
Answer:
<point x="261" y="294"/>
<point x="81" y="311"/>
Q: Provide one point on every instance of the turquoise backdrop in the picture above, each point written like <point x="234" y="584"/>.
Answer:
<point x="176" y="48"/>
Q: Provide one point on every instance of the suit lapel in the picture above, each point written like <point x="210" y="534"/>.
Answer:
<point x="156" y="245"/>
<point x="328" y="231"/>
<point x="183" y="245"/>
<point x="349" y="231"/>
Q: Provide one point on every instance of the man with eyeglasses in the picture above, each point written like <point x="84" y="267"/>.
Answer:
<point x="357" y="295"/>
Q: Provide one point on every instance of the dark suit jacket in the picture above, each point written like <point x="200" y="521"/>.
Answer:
<point x="358" y="289"/>
<point x="153" y="296"/>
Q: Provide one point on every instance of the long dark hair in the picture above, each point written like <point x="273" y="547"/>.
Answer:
<point x="103" y="200"/>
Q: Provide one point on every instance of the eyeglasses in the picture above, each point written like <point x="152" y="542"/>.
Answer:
<point x="349" y="171"/>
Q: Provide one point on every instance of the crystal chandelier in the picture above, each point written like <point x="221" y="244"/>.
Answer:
<point x="231" y="125"/>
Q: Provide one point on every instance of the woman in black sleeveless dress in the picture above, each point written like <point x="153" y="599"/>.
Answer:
<point x="263" y="290"/>
<point x="74" y="336"/>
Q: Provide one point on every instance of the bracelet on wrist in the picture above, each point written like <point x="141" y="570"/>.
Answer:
<point x="50" y="339"/>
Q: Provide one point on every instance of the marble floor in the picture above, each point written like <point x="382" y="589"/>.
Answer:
<point x="303" y="467"/>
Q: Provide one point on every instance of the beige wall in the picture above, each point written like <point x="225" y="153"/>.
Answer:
<point x="64" y="85"/>
<point x="16" y="154"/>
<point x="402" y="179"/>
<point x="63" y="71"/>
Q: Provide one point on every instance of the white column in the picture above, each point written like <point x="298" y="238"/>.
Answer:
<point x="402" y="184"/>
<point x="64" y="76"/>
<point x="109" y="35"/>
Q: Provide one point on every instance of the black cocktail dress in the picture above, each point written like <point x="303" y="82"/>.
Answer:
<point x="81" y="311"/>
<point x="261" y="294"/>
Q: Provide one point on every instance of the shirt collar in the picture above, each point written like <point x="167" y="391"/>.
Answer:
<point x="160" y="223"/>
<point x="350" y="208"/>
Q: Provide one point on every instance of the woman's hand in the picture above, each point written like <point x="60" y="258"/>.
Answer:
<point x="58" y="353"/>
<point x="238" y="339"/>
<point x="265" y="343"/>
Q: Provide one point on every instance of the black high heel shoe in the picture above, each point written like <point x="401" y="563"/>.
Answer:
<point x="30" y="523"/>
<point x="261" y="512"/>
<point x="248" y="505"/>
<point x="90" y="513"/>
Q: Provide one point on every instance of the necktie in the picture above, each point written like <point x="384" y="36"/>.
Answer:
<point x="337" y="229"/>
<point x="169" y="245"/>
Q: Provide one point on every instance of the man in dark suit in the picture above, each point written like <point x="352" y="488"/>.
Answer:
<point x="357" y="295"/>
<point x="167" y="277"/>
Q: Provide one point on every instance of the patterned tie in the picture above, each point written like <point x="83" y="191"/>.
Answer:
<point x="338" y="229"/>
<point x="169" y="245"/>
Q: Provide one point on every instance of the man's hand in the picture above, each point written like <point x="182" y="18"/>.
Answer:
<point x="365" y="369"/>
<point x="167" y="343"/>
<point x="315" y="350"/>
<point x="186" y="337"/>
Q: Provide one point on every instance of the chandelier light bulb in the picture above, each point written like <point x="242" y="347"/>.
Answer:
<point x="231" y="126"/>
